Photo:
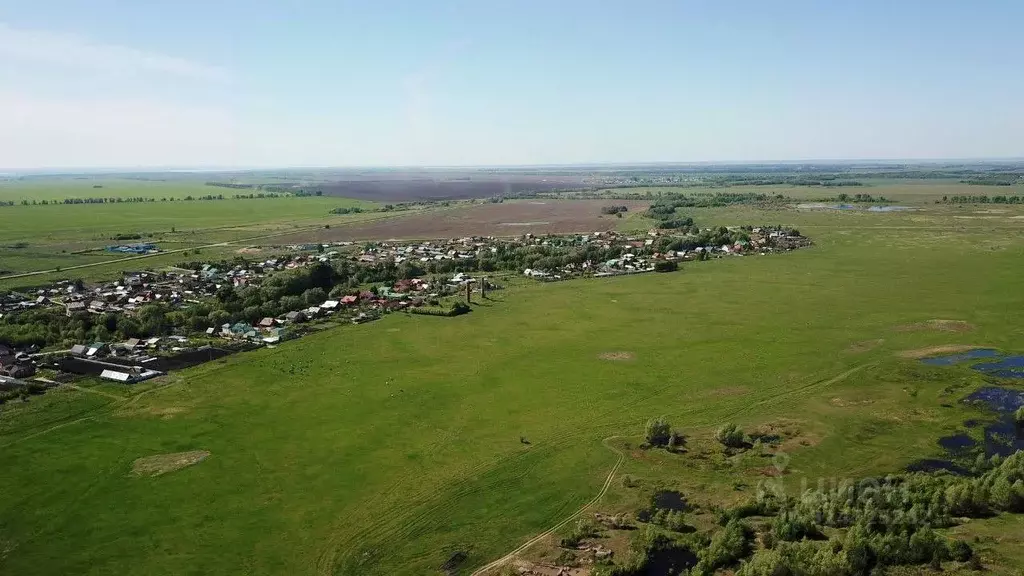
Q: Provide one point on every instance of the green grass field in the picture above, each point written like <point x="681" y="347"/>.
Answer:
<point x="384" y="448"/>
<point x="39" y="238"/>
<point x="910" y="191"/>
<point x="59" y="188"/>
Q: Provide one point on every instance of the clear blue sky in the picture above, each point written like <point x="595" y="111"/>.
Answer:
<point x="335" y="83"/>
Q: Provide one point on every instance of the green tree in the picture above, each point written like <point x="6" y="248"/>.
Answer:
<point x="314" y="296"/>
<point x="658" y="431"/>
<point x="290" y="303"/>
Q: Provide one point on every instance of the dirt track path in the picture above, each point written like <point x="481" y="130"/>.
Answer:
<point x="604" y="489"/>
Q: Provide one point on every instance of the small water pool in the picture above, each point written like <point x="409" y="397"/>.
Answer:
<point x="952" y="359"/>
<point x="1002" y="436"/>
<point x="957" y="442"/>
<point x="889" y="208"/>
<point x="1008" y="367"/>
<point x="1003" y="400"/>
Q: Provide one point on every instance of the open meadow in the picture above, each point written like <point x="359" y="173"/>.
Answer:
<point x="418" y="445"/>
<point x="36" y="238"/>
<point x="511" y="218"/>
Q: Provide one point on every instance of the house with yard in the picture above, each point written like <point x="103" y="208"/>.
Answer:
<point x="97" y="349"/>
<point x="128" y="374"/>
<point x="15" y="367"/>
<point x="295" y="316"/>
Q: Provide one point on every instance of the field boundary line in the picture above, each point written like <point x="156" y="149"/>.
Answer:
<point x="604" y="489"/>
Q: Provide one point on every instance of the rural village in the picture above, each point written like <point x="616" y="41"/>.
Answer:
<point x="460" y="267"/>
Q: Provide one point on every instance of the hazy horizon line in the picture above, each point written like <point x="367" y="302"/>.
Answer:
<point x="86" y="170"/>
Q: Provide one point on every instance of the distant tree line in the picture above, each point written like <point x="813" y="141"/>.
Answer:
<point x="861" y="198"/>
<point x="384" y="208"/>
<point x="231" y="185"/>
<point x="995" y="180"/>
<point x="982" y="199"/>
<point x="134" y="199"/>
<point x="267" y="188"/>
<point x="826" y="180"/>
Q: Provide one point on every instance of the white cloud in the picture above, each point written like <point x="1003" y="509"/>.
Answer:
<point x="40" y="132"/>
<point x="77" y="52"/>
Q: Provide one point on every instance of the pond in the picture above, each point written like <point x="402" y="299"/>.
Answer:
<point x="669" y="500"/>
<point x="1008" y="367"/>
<point x="1002" y="436"/>
<point x="889" y="208"/>
<point x="828" y="206"/>
<point x="952" y="359"/>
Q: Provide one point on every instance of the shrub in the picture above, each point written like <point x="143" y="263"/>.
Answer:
<point x="675" y="441"/>
<point x="666" y="266"/>
<point x="790" y="527"/>
<point x="727" y="546"/>
<point x="960" y="551"/>
<point x="730" y="435"/>
<point x="658" y="431"/>
<point x="583" y="529"/>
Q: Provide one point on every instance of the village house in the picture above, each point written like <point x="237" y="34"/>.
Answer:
<point x="295" y="316"/>
<point x="16" y="367"/>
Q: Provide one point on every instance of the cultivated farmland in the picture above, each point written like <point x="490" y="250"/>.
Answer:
<point x="491" y="219"/>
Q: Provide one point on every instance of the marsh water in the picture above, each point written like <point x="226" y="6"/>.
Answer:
<point x="1001" y="436"/>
